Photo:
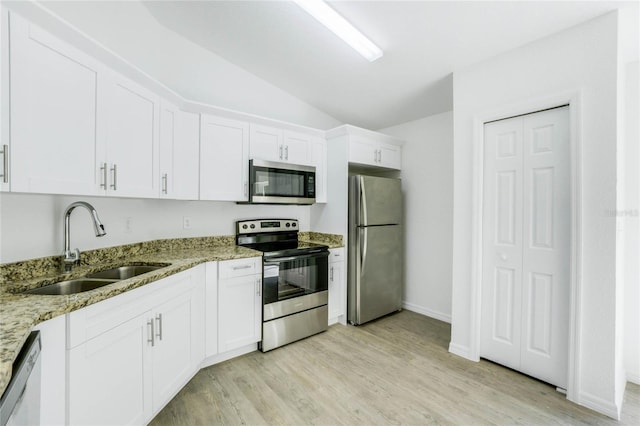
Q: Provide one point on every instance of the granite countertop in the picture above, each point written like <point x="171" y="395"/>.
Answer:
<point x="21" y="312"/>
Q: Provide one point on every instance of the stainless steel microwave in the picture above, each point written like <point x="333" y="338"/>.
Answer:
<point x="272" y="182"/>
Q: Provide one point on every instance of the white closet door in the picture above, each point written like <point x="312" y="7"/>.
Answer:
<point x="502" y="243"/>
<point x="526" y="251"/>
<point x="546" y="238"/>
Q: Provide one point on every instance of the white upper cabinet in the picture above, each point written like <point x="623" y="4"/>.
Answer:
<point x="179" y="153"/>
<point x="368" y="148"/>
<point x="132" y="140"/>
<point x="76" y="126"/>
<point x="57" y="114"/>
<point x="274" y="144"/>
<point x="374" y="153"/>
<point x="224" y="159"/>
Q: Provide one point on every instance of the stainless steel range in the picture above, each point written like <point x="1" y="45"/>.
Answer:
<point x="294" y="280"/>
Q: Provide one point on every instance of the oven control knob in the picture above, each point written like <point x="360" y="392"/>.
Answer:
<point x="244" y="226"/>
<point x="288" y="224"/>
<point x="293" y="224"/>
<point x="253" y="226"/>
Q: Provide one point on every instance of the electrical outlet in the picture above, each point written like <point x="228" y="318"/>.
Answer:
<point x="186" y="222"/>
<point x="128" y="225"/>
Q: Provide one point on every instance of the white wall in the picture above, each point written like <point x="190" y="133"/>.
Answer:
<point x="427" y="181"/>
<point x="631" y="224"/>
<point x="579" y="60"/>
<point x="31" y="225"/>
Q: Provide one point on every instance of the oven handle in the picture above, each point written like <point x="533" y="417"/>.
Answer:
<point x="271" y="260"/>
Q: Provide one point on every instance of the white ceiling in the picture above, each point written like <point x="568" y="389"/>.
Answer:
<point x="424" y="42"/>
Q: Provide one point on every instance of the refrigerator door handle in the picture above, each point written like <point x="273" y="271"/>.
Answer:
<point x="363" y="219"/>
<point x="363" y="249"/>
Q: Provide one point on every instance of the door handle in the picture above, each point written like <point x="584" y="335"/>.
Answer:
<point x="363" y="248"/>
<point x="331" y="274"/>
<point x="103" y="170"/>
<point x="150" y="339"/>
<point x="114" y="176"/>
<point x="165" y="178"/>
<point x="159" y="321"/>
<point x="281" y="152"/>
<point x="375" y="155"/>
<point x="5" y="163"/>
<point x="379" y="156"/>
<point x="258" y="286"/>
<point x="286" y="152"/>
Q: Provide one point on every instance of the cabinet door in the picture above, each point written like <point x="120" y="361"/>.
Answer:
<point x="132" y="140"/>
<point x="224" y="159"/>
<point x="5" y="136"/>
<point x="266" y="143"/>
<point x="53" y="381"/>
<point x="179" y="151"/>
<point x="211" y="310"/>
<point x="239" y="312"/>
<point x="390" y="156"/>
<point x="363" y="151"/>
<point x="172" y="357"/>
<point x="57" y="107"/>
<point x="186" y="156"/>
<point x="337" y="289"/>
<point x="168" y="143"/>
<point x="297" y="147"/>
<point x="319" y="160"/>
<point x="109" y="377"/>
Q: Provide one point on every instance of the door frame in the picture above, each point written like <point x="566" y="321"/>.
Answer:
<point x="527" y="106"/>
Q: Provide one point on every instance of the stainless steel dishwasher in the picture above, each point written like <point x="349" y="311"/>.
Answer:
<point x="20" y="403"/>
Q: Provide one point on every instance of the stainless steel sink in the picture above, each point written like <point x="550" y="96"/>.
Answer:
<point x="126" y="271"/>
<point x="71" y="286"/>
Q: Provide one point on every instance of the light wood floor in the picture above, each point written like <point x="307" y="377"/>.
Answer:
<point x="393" y="371"/>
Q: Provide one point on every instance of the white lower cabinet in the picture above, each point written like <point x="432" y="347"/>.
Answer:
<point x="239" y="303"/>
<point x="54" y="373"/>
<point x="129" y="355"/>
<point x="337" y="290"/>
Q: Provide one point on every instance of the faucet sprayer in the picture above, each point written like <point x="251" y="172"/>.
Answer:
<point x="72" y="257"/>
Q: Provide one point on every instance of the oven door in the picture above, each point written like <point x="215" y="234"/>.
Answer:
<point x="294" y="283"/>
<point x="281" y="183"/>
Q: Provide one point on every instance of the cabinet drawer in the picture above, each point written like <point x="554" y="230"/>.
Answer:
<point x="336" y="255"/>
<point x="239" y="267"/>
<point x="91" y="321"/>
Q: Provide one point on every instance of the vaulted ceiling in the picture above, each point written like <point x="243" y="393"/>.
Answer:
<point x="424" y="42"/>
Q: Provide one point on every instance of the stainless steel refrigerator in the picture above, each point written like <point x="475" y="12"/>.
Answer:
<point x="375" y="248"/>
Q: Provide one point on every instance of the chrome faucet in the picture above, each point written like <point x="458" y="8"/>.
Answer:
<point x="72" y="257"/>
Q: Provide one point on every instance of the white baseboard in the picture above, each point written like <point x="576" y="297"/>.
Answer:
<point x="633" y="378"/>
<point x="426" y="311"/>
<point x="228" y="355"/>
<point x="598" y="404"/>
<point x="462" y="351"/>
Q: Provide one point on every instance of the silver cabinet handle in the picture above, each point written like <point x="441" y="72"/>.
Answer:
<point x="246" y="187"/>
<point x="150" y="339"/>
<point x="286" y="152"/>
<point x="375" y="156"/>
<point x="164" y="183"/>
<point x="103" y="176"/>
<point x="236" y="268"/>
<point x="331" y="274"/>
<point x="159" y="321"/>
<point x="281" y="152"/>
<point x="379" y="156"/>
<point x="114" y="177"/>
<point x="258" y="286"/>
<point x="5" y="163"/>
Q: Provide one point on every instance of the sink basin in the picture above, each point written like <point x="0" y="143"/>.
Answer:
<point x="70" y="287"/>
<point x="127" y="271"/>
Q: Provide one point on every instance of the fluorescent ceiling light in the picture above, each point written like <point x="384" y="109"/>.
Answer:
<point x="341" y="27"/>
